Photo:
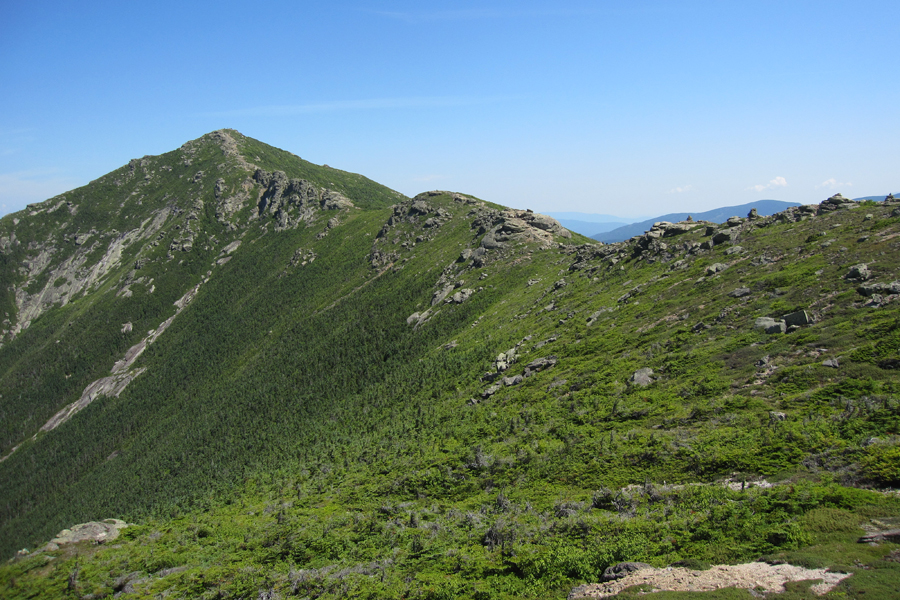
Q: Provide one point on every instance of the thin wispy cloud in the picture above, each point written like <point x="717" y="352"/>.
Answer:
<point x="681" y="189"/>
<point x="775" y="183"/>
<point x="287" y="110"/>
<point x="430" y="16"/>
<point x="833" y="183"/>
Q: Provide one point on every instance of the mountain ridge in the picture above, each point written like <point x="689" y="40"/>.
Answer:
<point x="354" y="392"/>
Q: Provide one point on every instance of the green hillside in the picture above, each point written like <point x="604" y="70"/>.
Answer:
<point x="348" y="393"/>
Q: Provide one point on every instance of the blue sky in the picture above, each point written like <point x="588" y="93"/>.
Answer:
<point x="625" y="108"/>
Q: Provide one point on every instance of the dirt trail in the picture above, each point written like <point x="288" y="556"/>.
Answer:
<point x="761" y="577"/>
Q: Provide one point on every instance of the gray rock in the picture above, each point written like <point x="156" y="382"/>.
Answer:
<point x="461" y="296"/>
<point x="801" y="317"/>
<point x="539" y="364"/>
<point x="642" y="377"/>
<point x="515" y="380"/>
<point x="439" y="295"/>
<point x="420" y="207"/>
<point x="776" y="416"/>
<point x="831" y="362"/>
<point x="490" y="242"/>
<point x="93" y="531"/>
<point x="891" y="535"/>
<point x="734" y="221"/>
<point x="770" y="325"/>
<point x="734" y="250"/>
<point x="490" y="391"/>
<point x="858" y="272"/>
<point x="623" y="569"/>
<point x="752" y="215"/>
<point x="870" y="289"/>
<point x="513" y="225"/>
<point x="723" y="237"/>
<point x="715" y="268"/>
<point x="740" y="292"/>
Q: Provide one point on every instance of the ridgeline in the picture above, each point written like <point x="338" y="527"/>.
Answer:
<point x="289" y="380"/>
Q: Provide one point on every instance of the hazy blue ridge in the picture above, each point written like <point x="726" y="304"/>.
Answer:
<point x="716" y="215"/>
<point x="588" y="228"/>
<point x="593" y="217"/>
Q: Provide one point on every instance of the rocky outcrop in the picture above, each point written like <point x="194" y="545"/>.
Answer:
<point x="651" y="243"/>
<point x="93" y="531"/>
<point x="502" y="227"/>
<point x="74" y="275"/>
<point x="836" y="202"/>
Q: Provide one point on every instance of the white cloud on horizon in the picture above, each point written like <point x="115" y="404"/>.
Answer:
<point x="832" y="184"/>
<point x="681" y="189"/>
<point x="777" y="182"/>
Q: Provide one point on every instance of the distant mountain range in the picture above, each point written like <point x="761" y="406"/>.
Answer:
<point x="610" y="228"/>
<point x="716" y="215"/>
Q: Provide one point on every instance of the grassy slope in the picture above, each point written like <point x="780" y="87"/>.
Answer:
<point x="367" y="470"/>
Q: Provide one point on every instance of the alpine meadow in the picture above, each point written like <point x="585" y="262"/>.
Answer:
<point x="227" y="372"/>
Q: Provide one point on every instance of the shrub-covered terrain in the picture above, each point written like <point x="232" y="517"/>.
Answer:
<point x="328" y="390"/>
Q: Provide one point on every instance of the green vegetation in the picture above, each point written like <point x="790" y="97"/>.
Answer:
<point x="294" y="433"/>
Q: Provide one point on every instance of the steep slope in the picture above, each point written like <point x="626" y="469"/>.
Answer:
<point x="445" y="398"/>
<point x="122" y="249"/>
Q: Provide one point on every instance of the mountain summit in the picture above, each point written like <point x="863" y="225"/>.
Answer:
<point x="267" y="378"/>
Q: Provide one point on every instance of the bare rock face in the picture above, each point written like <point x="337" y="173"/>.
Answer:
<point x="510" y="225"/>
<point x="95" y="531"/>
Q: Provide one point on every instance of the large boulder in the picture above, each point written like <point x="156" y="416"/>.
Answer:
<point x="642" y="377"/>
<point x="801" y="317"/>
<point x="94" y="531"/>
<point x="715" y="268"/>
<point x="858" y="272"/>
<point x="770" y="325"/>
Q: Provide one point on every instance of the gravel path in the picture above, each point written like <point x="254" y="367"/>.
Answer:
<point x="759" y="576"/>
